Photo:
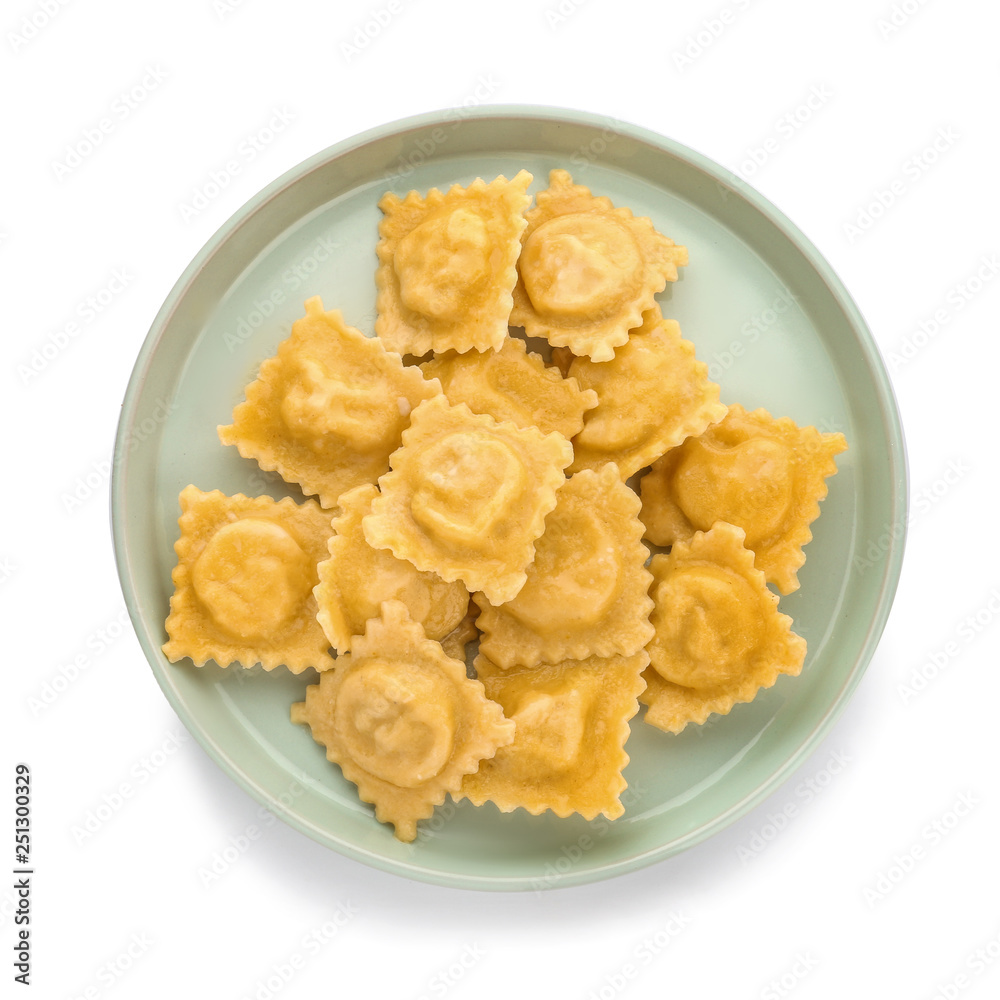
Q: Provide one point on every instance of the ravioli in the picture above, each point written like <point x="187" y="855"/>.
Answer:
<point x="763" y="474"/>
<point x="402" y="720"/>
<point x="586" y="591"/>
<point x="719" y="637"/>
<point x="572" y="722"/>
<point x="467" y="496"/>
<point x="652" y="395"/>
<point x="447" y="265"/>
<point x="511" y="384"/>
<point x="356" y="579"/>
<point x="328" y="409"/>
<point x="246" y="568"/>
<point x="588" y="270"/>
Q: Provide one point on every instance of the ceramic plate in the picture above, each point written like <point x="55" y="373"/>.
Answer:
<point x="765" y="312"/>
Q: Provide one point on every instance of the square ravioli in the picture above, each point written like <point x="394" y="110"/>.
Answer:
<point x="328" y="409"/>
<point x="447" y="265"/>
<point x="467" y="496"/>
<point x="246" y="568"/>
<point x="572" y="722"/>
<point x="357" y="578"/>
<point x="719" y="635"/>
<point x="653" y="394"/>
<point x="402" y="720"/>
<point x="762" y="474"/>
<point x="588" y="270"/>
<point x="511" y="384"/>
<point x="586" y="592"/>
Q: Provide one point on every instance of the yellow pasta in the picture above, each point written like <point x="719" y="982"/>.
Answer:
<point x="572" y="721"/>
<point x="356" y="579"/>
<point x="510" y="384"/>
<point x="588" y="270"/>
<point x="328" y="409"/>
<point x="652" y="395"/>
<point x="719" y="637"/>
<point x="586" y="592"/>
<point x="447" y="265"/>
<point x="467" y="497"/>
<point x="765" y="475"/>
<point x="402" y="720"/>
<point x="246" y="567"/>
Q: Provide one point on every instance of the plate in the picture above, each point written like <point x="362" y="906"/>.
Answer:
<point x="764" y="310"/>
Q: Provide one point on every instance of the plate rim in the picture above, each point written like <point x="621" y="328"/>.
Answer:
<point x="898" y="481"/>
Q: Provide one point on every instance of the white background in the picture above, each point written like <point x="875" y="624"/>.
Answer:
<point x="918" y="791"/>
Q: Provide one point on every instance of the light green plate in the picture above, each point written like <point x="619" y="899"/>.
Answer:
<point x="763" y="309"/>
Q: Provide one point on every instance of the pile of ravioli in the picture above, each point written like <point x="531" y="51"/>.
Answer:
<point x="466" y="489"/>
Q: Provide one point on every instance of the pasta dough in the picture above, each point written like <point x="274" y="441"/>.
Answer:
<point x="246" y="567"/>
<point x="328" y="409"/>
<point x="653" y="394"/>
<point x="402" y="720"/>
<point x="467" y="497"/>
<point x="356" y="579"/>
<point x="586" y="591"/>
<point x="572" y="721"/>
<point x="765" y="475"/>
<point x="511" y="384"/>
<point x="588" y="270"/>
<point x="719" y="637"/>
<point x="447" y="266"/>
